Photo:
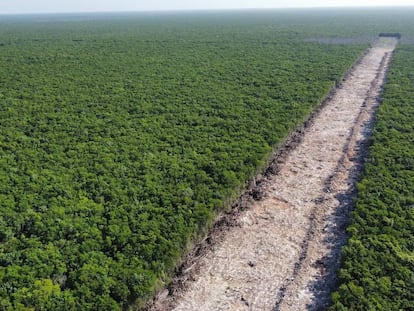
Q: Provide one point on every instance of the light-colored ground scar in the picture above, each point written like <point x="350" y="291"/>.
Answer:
<point x="284" y="251"/>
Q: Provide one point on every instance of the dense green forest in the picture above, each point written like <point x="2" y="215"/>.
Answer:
<point x="121" y="136"/>
<point x="378" y="269"/>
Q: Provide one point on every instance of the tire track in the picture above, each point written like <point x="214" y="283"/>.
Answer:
<point x="352" y="158"/>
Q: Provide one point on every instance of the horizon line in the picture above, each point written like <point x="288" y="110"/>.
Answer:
<point x="207" y="10"/>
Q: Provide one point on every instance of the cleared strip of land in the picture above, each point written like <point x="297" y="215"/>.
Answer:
<point x="283" y="252"/>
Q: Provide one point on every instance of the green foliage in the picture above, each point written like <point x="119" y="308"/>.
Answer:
<point x="378" y="269"/>
<point x="121" y="137"/>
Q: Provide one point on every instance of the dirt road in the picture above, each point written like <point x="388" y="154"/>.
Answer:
<point x="284" y="251"/>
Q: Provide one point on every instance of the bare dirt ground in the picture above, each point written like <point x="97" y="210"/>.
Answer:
<point x="282" y="252"/>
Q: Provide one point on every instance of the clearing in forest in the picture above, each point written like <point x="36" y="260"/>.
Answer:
<point x="284" y="251"/>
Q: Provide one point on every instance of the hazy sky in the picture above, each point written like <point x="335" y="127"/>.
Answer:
<point x="42" y="6"/>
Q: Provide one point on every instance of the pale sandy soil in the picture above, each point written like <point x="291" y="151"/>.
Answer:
<point x="283" y="252"/>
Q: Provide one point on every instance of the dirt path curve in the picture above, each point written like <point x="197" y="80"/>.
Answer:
<point x="283" y="253"/>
